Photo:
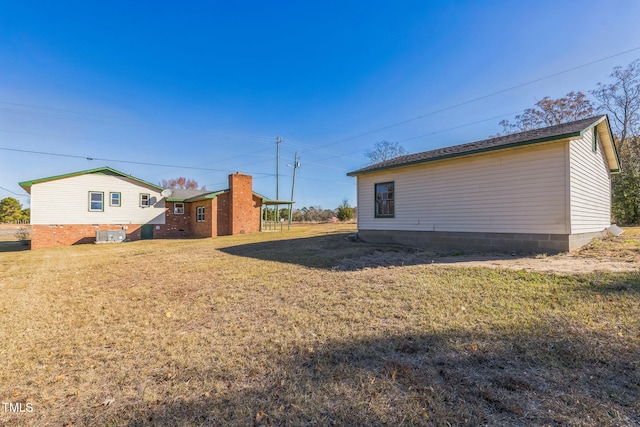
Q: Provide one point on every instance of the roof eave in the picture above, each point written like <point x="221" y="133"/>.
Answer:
<point x="469" y="153"/>
<point x="29" y="184"/>
<point x="207" y="196"/>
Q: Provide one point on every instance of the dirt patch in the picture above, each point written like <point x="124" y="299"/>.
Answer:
<point x="613" y="254"/>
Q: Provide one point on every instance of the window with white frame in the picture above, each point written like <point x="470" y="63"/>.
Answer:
<point x="145" y="200"/>
<point x="178" y="208"/>
<point x="385" y="198"/>
<point x="114" y="199"/>
<point x="200" y="214"/>
<point x="96" y="201"/>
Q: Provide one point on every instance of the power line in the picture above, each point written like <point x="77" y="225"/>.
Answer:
<point x="20" y="195"/>
<point x="481" y="97"/>
<point x="123" y="161"/>
<point x="421" y="136"/>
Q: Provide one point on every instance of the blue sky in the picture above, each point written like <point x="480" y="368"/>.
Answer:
<point x="204" y="88"/>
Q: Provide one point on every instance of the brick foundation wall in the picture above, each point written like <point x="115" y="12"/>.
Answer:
<point x="243" y="206"/>
<point x="45" y="236"/>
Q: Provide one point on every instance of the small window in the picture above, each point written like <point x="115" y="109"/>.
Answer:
<point x="178" y="208"/>
<point x="96" y="201"/>
<point x="114" y="199"/>
<point x="200" y="214"/>
<point x="385" y="198"/>
<point x="595" y="141"/>
<point x="145" y="200"/>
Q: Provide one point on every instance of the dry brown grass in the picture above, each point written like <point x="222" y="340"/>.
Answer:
<point x="262" y="329"/>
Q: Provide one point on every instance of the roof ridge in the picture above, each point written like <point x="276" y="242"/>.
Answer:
<point x="27" y="184"/>
<point x="531" y="136"/>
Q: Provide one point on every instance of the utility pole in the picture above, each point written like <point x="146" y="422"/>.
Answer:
<point x="277" y="213"/>
<point x="296" y="165"/>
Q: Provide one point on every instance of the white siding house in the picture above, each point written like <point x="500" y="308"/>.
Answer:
<point x="547" y="189"/>
<point x="68" y="201"/>
<point x="72" y="208"/>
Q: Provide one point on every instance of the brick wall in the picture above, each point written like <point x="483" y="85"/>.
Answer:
<point x="45" y="236"/>
<point x="206" y="228"/>
<point x="223" y="220"/>
<point x="255" y="213"/>
<point x="176" y="225"/>
<point x="243" y="205"/>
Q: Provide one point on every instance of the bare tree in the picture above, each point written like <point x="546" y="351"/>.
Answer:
<point x="181" y="182"/>
<point x="383" y="151"/>
<point x="548" y="112"/>
<point x="621" y="100"/>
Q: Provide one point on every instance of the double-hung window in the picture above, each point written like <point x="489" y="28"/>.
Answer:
<point x="145" y="200"/>
<point x="178" y="208"/>
<point x="200" y="214"/>
<point x="385" y="198"/>
<point x="96" y="201"/>
<point x="114" y="199"/>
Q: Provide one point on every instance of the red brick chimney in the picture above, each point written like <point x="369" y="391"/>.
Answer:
<point x="242" y="206"/>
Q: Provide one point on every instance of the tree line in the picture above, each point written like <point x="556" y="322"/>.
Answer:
<point x="344" y="212"/>
<point x="11" y="212"/>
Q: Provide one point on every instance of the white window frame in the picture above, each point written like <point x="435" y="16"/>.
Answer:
<point x="200" y="214"/>
<point x="143" y="203"/>
<point x="101" y="194"/>
<point x="178" y="208"/>
<point x="111" y="194"/>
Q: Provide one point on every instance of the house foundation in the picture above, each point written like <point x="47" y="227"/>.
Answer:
<point x="465" y="241"/>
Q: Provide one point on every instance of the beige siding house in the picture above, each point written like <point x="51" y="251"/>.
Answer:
<point x="544" y="190"/>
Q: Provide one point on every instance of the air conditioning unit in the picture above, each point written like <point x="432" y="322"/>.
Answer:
<point x="110" y="236"/>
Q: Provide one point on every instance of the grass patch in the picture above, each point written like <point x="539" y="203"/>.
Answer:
<point x="262" y="329"/>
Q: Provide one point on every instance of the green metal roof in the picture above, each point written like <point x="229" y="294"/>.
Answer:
<point x="214" y="194"/>
<point x="105" y="170"/>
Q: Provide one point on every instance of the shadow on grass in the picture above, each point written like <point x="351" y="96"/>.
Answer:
<point x="613" y="284"/>
<point x="544" y="376"/>
<point x="14" y="246"/>
<point x="315" y="252"/>
<point x="339" y="252"/>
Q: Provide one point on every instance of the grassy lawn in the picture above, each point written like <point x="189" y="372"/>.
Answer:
<point x="264" y="329"/>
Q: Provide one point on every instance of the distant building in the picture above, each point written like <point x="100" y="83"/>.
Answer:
<point x="70" y="209"/>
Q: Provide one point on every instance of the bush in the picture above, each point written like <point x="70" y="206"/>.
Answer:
<point x="344" y="211"/>
<point x="23" y="234"/>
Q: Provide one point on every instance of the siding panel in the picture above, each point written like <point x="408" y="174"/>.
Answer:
<point x="66" y="201"/>
<point x="521" y="191"/>
<point x="590" y="197"/>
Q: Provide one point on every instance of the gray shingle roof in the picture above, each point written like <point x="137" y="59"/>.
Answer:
<point x="184" y="194"/>
<point x="550" y="133"/>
